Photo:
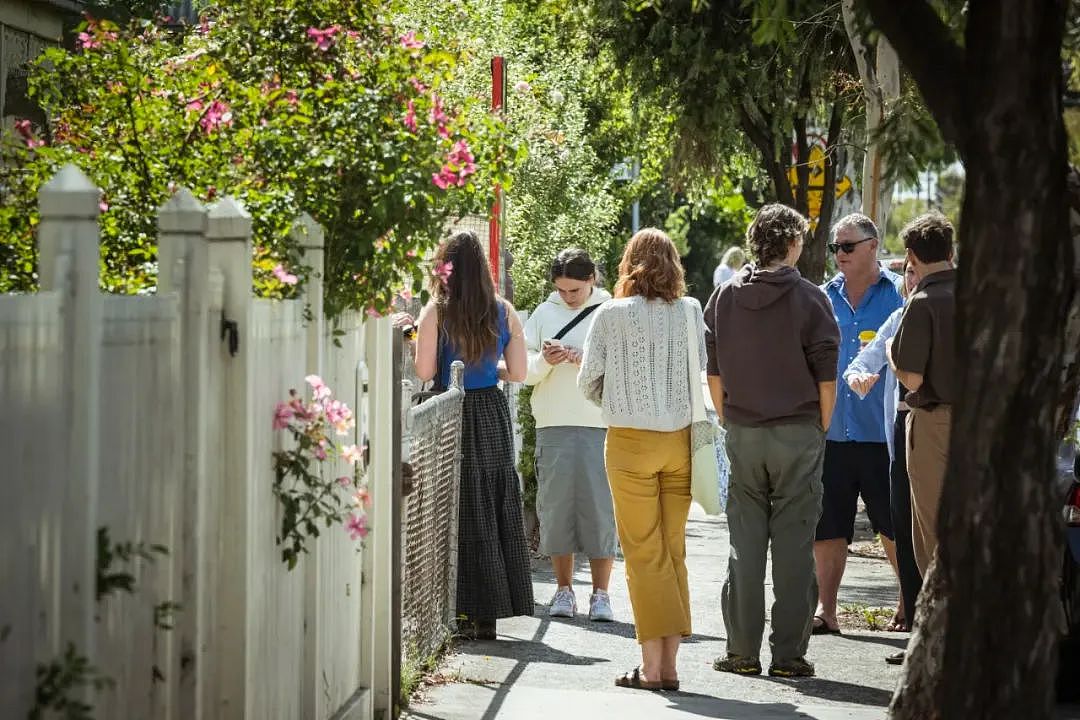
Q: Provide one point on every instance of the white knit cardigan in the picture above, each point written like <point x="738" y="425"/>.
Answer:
<point x="635" y="364"/>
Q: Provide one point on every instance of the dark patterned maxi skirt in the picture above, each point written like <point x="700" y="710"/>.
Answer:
<point x="494" y="579"/>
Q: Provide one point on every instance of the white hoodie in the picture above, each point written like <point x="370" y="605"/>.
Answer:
<point x="556" y="399"/>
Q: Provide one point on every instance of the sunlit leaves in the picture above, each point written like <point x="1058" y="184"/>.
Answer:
<point x="296" y="110"/>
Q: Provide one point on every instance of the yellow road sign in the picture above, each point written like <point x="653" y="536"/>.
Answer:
<point x="816" y="184"/>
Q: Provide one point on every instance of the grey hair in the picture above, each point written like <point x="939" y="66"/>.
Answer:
<point x="774" y="229"/>
<point x="860" y="222"/>
<point x="734" y="257"/>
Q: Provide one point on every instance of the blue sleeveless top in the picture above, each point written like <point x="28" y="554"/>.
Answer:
<point x="482" y="374"/>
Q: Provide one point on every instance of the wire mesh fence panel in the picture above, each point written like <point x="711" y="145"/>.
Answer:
<point x="429" y="571"/>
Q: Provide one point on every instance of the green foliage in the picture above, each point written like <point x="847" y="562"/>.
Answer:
<point x="527" y="457"/>
<point x="321" y="106"/>
<point x="58" y="680"/>
<point x="950" y="196"/>
<point x="719" y="222"/>
<point x="735" y="90"/>
<point x="910" y="139"/>
<point x="557" y="108"/>
<point x="414" y="667"/>
<point x="110" y="580"/>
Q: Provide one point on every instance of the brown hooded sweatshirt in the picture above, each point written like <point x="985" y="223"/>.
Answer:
<point x="771" y="337"/>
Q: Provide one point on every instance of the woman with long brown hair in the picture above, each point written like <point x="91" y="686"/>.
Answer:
<point x="465" y="320"/>
<point x="637" y="367"/>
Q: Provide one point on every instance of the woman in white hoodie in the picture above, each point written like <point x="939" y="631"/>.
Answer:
<point x="573" y="499"/>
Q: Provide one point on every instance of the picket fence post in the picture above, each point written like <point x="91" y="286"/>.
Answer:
<point x="183" y="268"/>
<point x="308" y="235"/>
<point x="229" y="237"/>
<point x="68" y="238"/>
<point x="378" y="592"/>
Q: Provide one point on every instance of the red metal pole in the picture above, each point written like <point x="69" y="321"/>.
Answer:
<point x="498" y="101"/>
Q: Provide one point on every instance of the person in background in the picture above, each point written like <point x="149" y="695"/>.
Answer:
<point x="465" y="320"/>
<point x="861" y="375"/>
<point x="863" y="295"/>
<point x="573" y="499"/>
<point x="923" y="357"/>
<point x="772" y="346"/>
<point x="637" y="368"/>
<point x="731" y="262"/>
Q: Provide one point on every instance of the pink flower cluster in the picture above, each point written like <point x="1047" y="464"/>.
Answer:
<point x="443" y="271"/>
<point x="409" y="41"/>
<point x="308" y="421"/>
<point x="283" y="276"/>
<point x="356" y="526"/>
<point x="459" y="165"/>
<point x="217" y="116"/>
<point x="410" y="116"/>
<point x="92" y="38"/>
<point x="324" y="39"/>
<point x="437" y="116"/>
<point x="26" y="131"/>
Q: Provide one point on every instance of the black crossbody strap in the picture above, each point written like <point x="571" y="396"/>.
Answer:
<point x="573" y="323"/>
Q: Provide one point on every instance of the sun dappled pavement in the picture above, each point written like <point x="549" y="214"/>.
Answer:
<point x="544" y="668"/>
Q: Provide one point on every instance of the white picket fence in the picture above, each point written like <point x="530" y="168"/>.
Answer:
<point x="151" y="416"/>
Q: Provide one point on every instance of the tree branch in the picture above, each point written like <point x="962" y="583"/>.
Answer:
<point x="802" y="145"/>
<point x="832" y="163"/>
<point x="761" y="137"/>
<point x="929" y="53"/>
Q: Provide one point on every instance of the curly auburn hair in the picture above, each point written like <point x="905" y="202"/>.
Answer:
<point x="773" y="230"/>
<point x="650" y="267"/>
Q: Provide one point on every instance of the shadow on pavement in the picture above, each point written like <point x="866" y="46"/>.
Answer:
<point x="872" y="595"/>
<point x="836" y="691"/>
<point x="878" y="639"/>
<point x="729" y="709"/>
<point x="622" y="629"/>
<point x="527" y="651"/>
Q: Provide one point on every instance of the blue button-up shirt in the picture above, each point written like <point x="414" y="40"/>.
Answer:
<point x="854" y="419"/>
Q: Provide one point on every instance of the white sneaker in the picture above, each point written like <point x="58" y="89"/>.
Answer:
<point x="564" y="604"/>
<point x="600" y="607"/>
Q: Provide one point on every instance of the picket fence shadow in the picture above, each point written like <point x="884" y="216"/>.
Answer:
<point x="150" y="416"/>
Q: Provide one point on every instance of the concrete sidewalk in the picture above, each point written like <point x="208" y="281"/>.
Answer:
<point x="552" y="669"/>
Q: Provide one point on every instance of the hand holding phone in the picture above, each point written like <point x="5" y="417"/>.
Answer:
<point x="554" y="352"/>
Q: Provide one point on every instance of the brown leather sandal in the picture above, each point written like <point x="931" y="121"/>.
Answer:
<point x="669" y="685"/>
<point x="633" y="680"/>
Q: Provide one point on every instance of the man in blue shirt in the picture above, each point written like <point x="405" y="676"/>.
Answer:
<point x="863" y="295"/>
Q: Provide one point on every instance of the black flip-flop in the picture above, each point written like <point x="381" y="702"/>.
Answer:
<point x="823" y="628"/>
<point x="633" y="680"/>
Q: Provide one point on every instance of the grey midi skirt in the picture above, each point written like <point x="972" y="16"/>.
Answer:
<point x="573" y="499"/>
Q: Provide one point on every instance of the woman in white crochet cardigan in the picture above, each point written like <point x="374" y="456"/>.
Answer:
<point x="635" y="367"/>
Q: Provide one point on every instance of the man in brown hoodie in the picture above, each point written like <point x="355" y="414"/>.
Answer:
<point x="773" y="345"/>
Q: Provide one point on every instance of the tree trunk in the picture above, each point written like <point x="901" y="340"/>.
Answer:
<point x="986" y="633"/>
<point x="1071" y="371"/>
<point x="812" y="261"/>
<point x="879" y="70"/>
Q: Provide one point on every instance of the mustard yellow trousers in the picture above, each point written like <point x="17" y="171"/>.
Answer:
<point x="649" y="474"/>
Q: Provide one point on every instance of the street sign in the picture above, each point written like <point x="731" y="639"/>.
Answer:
<point x="623" y="171"/>
<point x="816" y="183"/>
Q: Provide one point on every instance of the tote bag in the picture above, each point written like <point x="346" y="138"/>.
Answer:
<point x="709" y="465"/>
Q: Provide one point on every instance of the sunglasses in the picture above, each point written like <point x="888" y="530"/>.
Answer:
<point x="848" y="247"/>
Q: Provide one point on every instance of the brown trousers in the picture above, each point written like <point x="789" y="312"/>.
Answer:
<point x="927" y="454"/>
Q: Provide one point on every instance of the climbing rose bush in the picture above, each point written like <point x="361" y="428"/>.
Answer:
<point x="304" y="482"/>
<point x="323" y="106"/>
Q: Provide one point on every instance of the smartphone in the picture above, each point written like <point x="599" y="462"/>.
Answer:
<point x="552" y="343"/>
